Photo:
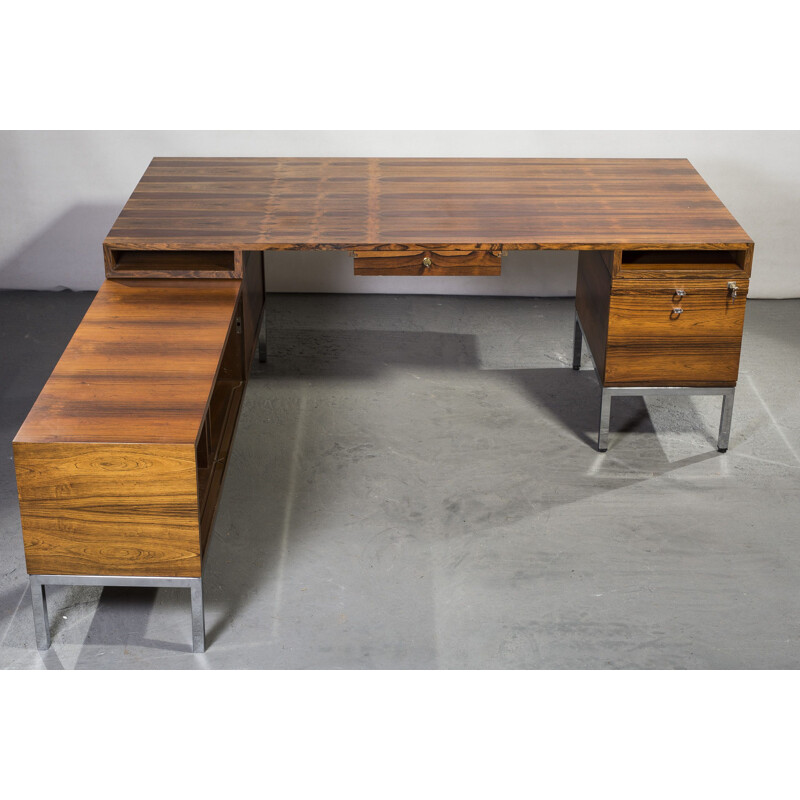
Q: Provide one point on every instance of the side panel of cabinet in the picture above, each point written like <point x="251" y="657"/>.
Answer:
<point x="220" y="424"/>
<point x="592" y="296"/>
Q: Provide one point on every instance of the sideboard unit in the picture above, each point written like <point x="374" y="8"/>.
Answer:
<point x="121" y="461"/>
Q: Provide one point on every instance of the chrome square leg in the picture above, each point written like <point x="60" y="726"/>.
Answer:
<point x="41" y="623"/>
<point x="605" y="420"/>
<point x="578" y="342"/>
<point x="606" y="393"/>
<point x="725" y="422"/>
<point x="39" y="599"/>
<point x="198" y="616"/>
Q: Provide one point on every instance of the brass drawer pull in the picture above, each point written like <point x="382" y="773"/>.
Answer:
<point x="733" y="289"/>
<point x="676" y="312"/>
<point x="426" y="262"/>
<point x="680" y="294"/>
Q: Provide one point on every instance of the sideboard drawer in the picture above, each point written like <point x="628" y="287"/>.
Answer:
<point x="675" y="333"/>
<point x="427" y="262"/>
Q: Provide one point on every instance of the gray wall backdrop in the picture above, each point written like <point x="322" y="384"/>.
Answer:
<point x="62" y="190"/>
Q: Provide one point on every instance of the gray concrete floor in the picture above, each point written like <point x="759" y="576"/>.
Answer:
<point x="414" y="485"/>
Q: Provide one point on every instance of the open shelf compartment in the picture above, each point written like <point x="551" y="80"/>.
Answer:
<point x="683" y="260"/>
<point x="173" y="263"/>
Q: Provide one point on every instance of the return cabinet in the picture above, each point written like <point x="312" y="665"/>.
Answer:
<point x="121" y="460"/>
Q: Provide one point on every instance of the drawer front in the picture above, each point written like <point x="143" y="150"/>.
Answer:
<point x="104" y="508"/>
<point x="427" y="262"/>
<point x="674" y="333"/>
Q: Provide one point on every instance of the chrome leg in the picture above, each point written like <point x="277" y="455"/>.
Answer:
<point x="607" y="392"/>
<point x="38" y="582"/>
<point x="725" y="421"/>
<point x="41" y="624"/>
<point x="262" y="338"/>
<point x="576" y="348"/>
<point x="198" y="616"/>
<point x="605" y="419"/>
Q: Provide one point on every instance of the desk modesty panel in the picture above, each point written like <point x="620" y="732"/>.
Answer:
<point x="121" y="460"/>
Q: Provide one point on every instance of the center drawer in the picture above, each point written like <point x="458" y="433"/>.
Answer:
<point x="427" y="262"/>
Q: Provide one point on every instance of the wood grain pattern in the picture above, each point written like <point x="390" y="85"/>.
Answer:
<point x="140" y="367"/>
<point x="108" y="509"/>
<point x="467" y="203"/>
<point x="442" y="263"/>
<point x="649" y="344"/>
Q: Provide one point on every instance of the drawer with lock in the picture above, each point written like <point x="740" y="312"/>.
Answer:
<point x="685" y="333"/>
<point x="427" y="262"/>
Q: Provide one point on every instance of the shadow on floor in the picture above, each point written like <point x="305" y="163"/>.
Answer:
<point x="242" y="565"/>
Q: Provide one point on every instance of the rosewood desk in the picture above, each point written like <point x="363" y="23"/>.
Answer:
<point x="121" y="460"/>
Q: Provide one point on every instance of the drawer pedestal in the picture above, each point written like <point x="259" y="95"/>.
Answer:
<point x="662" y="322"/>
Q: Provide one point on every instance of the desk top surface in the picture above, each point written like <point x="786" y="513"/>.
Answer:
<point x="345" y="203"/>
<point x="117" y="382"/>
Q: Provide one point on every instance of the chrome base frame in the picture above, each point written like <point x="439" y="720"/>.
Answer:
<point x="607" y="392"/>
<point x="42" y="625"/>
